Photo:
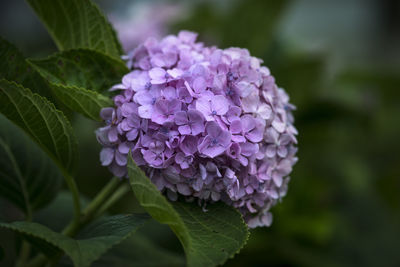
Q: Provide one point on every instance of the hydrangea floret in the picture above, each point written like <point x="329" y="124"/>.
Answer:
<point x="204" y="123"/>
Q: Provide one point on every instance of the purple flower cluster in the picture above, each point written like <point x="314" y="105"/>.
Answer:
<point x="202" y="122"/>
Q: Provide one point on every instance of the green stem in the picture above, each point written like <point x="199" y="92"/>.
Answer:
<point x="24" y="254"/>
<point x="75" y="195"/>
<point x="102" y="197"/>
<point x="39" y="261"/>
<point x="117" y="195"/>
<point x="89" y="212"/>
<point x="25" y="247"/>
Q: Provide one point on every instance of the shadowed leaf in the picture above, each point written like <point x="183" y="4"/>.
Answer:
<point x="14" y="67"/>
<point x="28" y="177"/>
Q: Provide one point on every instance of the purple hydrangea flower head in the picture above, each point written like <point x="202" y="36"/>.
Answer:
<point x="203" y="123"/>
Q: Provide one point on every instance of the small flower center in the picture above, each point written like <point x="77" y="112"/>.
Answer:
<point x="214" y="141"/>
<point x="175" y="141"/>
<point x="153" y="100"/>
<point x="147" y="86"/>
<point x="159" y="156"/>
<point x="231" y="76"/>
<point x="164" y="130"/>
<point x="213" y="112"/>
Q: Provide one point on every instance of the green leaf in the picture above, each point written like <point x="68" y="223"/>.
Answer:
<point x="41" y="120"/>
<point x="94" y="241"/>
<point x="88" y="103"/>
<point x="82" y="68"/>
<point x="208" y="238"/>
<point x="28" y="177"/>
<point x="77" y="24"/>
<point x="13" y="67"/>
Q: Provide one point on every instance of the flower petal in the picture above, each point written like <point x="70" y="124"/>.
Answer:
<point x="219" y="104"/>
<point x="106" y="156"/>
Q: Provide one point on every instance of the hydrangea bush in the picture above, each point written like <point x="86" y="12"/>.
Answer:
<point x="205" y="123"/>
<point x="204" y="136"/>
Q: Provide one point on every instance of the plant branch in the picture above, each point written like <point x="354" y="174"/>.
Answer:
<point x="75" y="196"/>
<point x="24" y="254"/>
<point x="89" y="212"/>
<point x="116" y="196"/>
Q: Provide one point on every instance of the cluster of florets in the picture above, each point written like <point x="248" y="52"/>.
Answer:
<point x="205" y="123"/>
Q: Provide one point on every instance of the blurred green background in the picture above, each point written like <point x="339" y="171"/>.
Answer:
<point x="340" y="63"/>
